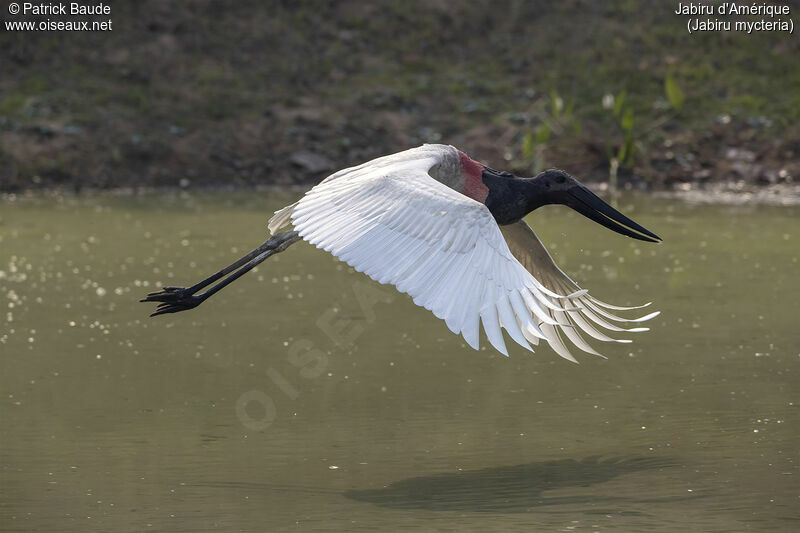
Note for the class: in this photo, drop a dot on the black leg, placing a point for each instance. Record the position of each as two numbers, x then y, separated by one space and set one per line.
175 299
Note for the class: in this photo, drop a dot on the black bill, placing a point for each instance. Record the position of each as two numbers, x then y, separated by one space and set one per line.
592 206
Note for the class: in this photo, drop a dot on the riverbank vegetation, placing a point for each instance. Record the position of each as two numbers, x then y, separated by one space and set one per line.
252 93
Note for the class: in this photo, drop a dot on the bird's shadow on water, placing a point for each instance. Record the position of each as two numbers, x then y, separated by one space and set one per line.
511 489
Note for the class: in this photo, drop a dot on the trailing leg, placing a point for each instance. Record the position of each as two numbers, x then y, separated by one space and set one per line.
175 299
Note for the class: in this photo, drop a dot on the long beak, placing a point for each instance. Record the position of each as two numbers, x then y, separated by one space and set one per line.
592 206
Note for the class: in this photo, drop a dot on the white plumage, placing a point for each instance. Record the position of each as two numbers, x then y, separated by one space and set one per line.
390 219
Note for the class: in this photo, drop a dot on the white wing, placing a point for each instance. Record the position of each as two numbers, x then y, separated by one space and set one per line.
585 313
391 220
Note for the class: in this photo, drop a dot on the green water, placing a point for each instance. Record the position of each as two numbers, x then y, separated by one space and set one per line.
219 419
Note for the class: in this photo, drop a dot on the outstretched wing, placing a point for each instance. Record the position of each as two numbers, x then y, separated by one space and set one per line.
585 312
391 220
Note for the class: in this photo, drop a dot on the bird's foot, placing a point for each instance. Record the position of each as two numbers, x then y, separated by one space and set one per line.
173 300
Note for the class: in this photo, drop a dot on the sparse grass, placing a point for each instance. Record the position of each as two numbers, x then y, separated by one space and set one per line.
11 104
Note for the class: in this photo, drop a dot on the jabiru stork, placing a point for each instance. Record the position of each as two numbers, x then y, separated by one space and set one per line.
448 231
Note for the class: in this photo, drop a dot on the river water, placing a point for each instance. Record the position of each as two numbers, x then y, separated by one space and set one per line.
219 419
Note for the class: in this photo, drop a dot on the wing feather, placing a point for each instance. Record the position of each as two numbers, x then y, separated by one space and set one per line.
576 338
491 320
600 311
470 315
509 319
524 315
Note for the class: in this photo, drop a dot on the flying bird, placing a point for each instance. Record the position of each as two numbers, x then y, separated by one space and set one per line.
448 231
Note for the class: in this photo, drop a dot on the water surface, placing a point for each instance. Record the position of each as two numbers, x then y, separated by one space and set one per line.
301 398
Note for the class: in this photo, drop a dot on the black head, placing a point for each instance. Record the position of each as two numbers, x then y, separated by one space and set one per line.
558 187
